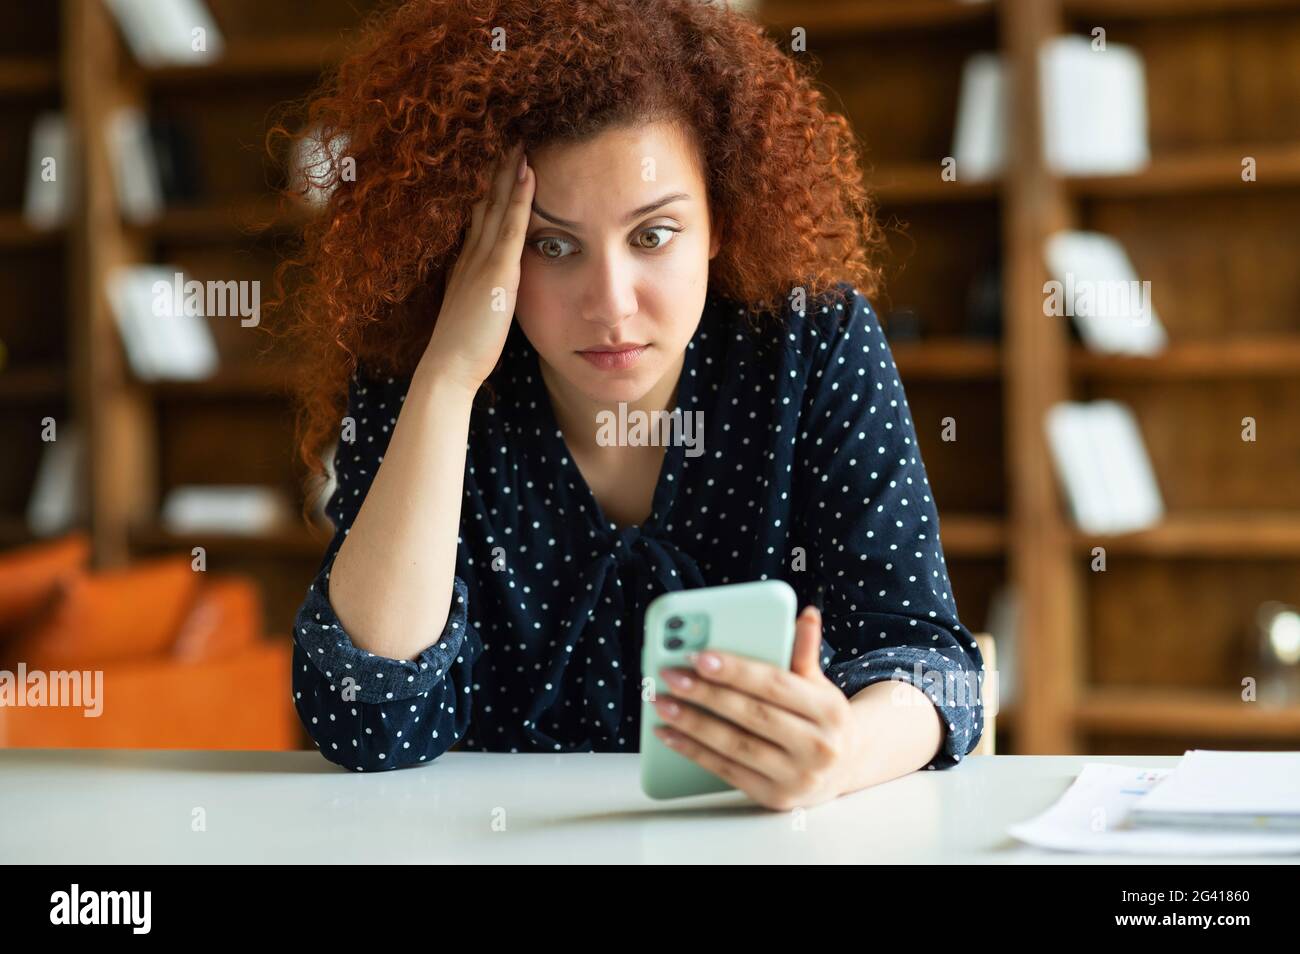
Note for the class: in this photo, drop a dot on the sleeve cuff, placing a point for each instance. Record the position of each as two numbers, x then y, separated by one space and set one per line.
955 690
378 678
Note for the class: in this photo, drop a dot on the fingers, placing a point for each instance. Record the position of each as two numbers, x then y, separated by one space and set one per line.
502 173
754 784
807 642
514 226
796 735
790 690
505 185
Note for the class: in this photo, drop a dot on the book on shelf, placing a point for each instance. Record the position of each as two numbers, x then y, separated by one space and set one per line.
49 174
1094 107
980 132
247 509
1102 463
1002 624
1094 282
56 501
161 341
153 161
168 32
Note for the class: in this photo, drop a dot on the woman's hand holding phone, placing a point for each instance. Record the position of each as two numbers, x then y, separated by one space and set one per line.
479 299
787 735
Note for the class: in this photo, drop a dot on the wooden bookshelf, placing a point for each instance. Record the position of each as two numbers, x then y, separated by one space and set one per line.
1149 652
1220 253
63 355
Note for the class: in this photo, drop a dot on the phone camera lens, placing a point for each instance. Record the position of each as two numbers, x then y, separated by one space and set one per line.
674 642
676 622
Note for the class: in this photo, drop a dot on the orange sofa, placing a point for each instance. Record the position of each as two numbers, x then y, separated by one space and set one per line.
180 656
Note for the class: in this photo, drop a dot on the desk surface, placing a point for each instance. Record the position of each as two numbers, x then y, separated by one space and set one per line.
98 806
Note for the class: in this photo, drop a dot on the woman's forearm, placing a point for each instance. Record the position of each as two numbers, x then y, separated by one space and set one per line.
392 579
899 731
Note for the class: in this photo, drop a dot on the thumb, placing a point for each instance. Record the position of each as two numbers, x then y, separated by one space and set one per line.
806 658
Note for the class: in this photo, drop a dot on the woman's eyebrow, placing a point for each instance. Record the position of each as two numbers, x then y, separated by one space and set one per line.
634 214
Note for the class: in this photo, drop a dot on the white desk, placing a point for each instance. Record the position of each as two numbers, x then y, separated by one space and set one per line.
99 806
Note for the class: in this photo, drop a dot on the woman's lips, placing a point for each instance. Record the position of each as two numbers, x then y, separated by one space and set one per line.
615 360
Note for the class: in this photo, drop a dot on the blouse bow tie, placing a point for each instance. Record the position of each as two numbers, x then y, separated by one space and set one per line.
640 565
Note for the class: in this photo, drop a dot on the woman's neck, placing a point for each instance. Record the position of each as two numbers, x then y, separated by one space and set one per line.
576 413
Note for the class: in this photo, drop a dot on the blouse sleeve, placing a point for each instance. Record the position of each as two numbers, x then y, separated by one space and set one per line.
872 530
369 712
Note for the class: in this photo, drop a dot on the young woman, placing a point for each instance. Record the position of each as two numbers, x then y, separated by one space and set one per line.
558 217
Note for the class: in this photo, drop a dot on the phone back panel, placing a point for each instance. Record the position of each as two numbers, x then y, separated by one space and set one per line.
754 619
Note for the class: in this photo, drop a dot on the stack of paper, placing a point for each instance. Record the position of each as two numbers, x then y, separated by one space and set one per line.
1227 790
1096 814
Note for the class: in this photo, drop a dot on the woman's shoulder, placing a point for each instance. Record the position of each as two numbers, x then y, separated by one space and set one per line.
812 328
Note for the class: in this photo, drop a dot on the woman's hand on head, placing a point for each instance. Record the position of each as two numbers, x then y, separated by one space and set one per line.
479 299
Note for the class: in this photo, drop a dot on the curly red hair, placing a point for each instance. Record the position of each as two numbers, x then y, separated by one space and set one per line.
435 91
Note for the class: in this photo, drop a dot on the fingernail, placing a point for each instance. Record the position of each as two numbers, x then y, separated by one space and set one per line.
523 166
677 679
668 708
708 662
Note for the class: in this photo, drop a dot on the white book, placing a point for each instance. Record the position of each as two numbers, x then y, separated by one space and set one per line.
162 32
135 165
49 175
159 342
55 502
1126 472
233 508
1098 287
980 134
1253 791
1094 107
1003 624
1102 464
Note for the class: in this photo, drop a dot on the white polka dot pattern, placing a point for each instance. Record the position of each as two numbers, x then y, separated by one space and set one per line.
808 443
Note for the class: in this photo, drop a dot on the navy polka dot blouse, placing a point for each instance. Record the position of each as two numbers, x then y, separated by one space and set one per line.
810 473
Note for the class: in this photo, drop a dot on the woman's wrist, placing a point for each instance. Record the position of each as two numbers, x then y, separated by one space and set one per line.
899 730
436 379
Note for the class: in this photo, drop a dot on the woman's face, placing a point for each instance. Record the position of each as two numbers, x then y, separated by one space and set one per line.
616 254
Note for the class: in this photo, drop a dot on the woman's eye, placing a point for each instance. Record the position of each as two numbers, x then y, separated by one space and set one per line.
660 242
551 247
546 246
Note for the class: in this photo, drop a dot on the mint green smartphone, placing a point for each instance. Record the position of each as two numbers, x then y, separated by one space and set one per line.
747 619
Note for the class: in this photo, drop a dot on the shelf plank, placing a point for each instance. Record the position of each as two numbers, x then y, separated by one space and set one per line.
947 359
221 220
1207 535
27 75
291 541
261 379
972 535
16 233
32 383
916 182
1152 9
1185 714
856 15
1274 355
254 57
1197 170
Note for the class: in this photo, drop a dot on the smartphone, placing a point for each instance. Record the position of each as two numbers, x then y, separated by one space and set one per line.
746 619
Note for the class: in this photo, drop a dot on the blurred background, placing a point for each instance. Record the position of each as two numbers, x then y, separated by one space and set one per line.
1091 294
